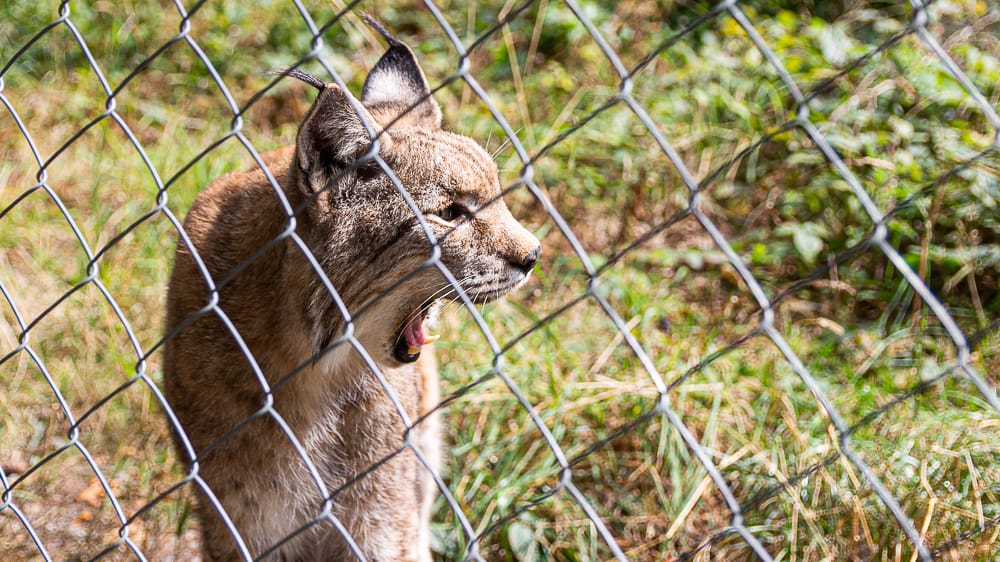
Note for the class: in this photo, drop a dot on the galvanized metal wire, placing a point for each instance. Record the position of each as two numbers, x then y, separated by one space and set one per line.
801 119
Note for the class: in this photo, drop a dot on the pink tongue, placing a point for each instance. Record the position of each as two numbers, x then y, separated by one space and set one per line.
414 333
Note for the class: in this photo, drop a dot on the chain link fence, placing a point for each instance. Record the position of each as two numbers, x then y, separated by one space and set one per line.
765 323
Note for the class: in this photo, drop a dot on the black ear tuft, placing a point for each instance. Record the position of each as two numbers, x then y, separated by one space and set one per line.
300 75
377 25
396 88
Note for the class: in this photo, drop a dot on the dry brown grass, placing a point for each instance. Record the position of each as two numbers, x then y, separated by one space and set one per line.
938 451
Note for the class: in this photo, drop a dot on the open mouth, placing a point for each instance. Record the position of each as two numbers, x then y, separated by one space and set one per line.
412 336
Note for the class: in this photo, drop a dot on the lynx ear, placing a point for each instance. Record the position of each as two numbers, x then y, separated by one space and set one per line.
396 88
332 137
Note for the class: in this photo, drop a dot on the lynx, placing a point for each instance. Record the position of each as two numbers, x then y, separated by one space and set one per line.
308 400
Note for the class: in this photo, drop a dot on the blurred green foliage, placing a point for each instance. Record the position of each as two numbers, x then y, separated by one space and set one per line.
910 136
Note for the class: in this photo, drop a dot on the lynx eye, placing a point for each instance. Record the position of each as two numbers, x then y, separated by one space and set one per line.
454 212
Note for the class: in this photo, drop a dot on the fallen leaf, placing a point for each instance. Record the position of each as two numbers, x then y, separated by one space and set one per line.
15 463
93 494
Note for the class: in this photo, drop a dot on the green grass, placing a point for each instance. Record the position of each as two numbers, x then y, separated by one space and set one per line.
899 121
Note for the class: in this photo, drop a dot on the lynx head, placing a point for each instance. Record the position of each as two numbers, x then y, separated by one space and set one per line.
366 235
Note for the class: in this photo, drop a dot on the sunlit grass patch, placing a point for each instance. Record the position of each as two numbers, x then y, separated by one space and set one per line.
870 344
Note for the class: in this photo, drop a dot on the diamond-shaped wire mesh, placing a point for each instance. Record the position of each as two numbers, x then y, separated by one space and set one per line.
766 321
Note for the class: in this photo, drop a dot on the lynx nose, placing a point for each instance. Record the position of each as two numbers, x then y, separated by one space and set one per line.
527 263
